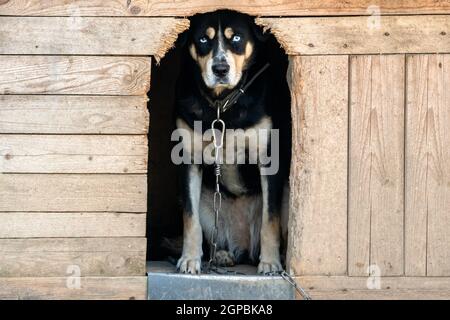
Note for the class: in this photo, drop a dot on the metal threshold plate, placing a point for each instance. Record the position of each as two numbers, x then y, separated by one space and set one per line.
164 283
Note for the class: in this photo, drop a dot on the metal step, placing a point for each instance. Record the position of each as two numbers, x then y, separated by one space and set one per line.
164 283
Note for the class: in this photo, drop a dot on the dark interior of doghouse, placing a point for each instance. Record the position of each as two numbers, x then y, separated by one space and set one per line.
164 218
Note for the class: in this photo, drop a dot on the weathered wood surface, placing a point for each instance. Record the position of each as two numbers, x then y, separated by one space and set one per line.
318 218
428 166
64 288
367 288
416 166
59 257
74 192
71 224
359 35
184 8
73 154
73 114
438 175
89 35
74 75
376 174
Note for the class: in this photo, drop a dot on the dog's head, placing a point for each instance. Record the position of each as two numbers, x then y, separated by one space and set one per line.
223 44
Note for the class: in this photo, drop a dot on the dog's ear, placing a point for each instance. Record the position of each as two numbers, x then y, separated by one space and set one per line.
258 32
182 39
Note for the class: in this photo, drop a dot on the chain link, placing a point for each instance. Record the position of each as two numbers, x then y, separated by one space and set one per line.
218 138
286 276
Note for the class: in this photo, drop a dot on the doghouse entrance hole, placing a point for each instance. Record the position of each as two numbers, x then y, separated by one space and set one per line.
164 212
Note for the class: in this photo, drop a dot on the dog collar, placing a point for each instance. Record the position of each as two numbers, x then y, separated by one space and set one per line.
231 99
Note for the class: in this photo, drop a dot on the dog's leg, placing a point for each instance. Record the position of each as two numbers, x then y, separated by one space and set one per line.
190 261
270 226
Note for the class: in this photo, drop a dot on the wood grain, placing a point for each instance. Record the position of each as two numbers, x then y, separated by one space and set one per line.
438 180
62 192
59 257
360 162
358 35
74 75
71 224
184 8
376 164
416 166
387 170
88 35
91 288
318 215
73 154
348 288
74 114
428 175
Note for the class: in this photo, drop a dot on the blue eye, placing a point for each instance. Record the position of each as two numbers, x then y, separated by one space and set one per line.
236 38
203 40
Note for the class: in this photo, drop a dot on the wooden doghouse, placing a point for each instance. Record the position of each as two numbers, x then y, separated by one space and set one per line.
370 177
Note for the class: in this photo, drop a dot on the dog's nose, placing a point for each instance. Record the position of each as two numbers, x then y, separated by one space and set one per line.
220 69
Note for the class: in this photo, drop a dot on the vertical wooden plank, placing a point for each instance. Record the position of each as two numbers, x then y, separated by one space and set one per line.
438 182
359 165
416 165
318 221
387 164
376 164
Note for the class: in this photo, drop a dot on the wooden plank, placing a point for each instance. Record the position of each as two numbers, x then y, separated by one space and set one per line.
389 287
73 154
71 224
376 165
89 35
359 198
64 288
74 114
62 192
59 257
74 75
318 221
387 170
184 8
416 166
438 178
356 35
428 172
348 288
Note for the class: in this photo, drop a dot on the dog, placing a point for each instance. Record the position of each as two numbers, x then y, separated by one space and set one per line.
224 51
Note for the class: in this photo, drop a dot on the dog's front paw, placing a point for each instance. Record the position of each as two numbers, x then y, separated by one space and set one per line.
269 266
191 265
224 258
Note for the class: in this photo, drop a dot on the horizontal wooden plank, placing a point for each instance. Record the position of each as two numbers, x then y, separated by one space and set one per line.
358 35
67 256
64 288
73 192
71 224
183 8
74 75
74 114
73 154
81 35
341 287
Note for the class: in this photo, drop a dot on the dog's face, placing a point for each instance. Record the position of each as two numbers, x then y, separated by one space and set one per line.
222 45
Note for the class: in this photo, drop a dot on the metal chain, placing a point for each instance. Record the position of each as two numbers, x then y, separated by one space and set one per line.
218 138
286 276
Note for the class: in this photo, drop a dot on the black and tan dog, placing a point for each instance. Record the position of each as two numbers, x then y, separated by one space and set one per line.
224 50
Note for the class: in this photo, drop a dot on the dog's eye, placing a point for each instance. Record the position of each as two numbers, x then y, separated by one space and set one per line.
236 38
203 40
